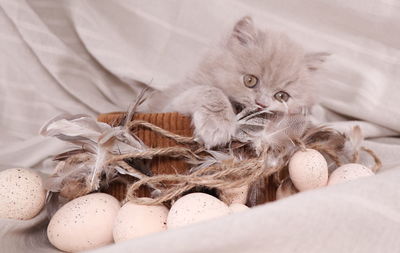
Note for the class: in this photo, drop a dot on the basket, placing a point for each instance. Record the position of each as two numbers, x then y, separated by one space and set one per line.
173 122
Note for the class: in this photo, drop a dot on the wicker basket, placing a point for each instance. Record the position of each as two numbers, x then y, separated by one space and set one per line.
178 124
172 122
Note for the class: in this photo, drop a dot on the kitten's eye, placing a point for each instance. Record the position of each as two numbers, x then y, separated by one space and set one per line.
282 96
250 81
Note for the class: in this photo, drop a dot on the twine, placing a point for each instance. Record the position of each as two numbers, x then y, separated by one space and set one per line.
378 163
226 174
356 157
165 133
149 153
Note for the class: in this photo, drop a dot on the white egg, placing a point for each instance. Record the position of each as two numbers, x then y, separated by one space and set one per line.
349 172
84 223
195 207
308 170
22 195
236 195
237 208
138 220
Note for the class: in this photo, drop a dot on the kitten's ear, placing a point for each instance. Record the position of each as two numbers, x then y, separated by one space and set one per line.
244 31
315 60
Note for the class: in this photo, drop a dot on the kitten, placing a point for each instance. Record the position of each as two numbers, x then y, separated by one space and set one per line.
255 69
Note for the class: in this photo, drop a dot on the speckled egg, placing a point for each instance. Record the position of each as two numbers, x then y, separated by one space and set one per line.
349 172
308 170
237 208
22 195
84 223
195 207
138 220
236 195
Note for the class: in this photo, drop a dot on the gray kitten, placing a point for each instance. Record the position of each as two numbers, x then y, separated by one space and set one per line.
253 69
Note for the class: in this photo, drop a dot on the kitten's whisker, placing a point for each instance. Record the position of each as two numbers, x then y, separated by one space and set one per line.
241 115
286 106
290 139
305 113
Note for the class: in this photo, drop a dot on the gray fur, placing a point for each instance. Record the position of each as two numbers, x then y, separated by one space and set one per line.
206 94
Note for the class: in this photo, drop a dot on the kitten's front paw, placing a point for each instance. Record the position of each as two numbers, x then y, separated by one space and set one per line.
214 130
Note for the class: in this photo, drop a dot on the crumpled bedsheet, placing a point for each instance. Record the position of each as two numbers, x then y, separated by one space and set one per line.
91 57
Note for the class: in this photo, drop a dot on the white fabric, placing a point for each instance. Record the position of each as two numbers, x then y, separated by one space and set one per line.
81 56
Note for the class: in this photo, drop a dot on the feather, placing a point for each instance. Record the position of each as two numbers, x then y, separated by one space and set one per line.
67 154
214 158
352 145
245 116
80 130
118 140
141 165
133 173
355 137
81 170
143 95
81 126
257 193
250 123
52 203
137 174
287 187
99 166
71 176
324 136
281 133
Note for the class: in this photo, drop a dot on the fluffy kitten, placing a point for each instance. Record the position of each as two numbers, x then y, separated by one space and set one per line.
253 68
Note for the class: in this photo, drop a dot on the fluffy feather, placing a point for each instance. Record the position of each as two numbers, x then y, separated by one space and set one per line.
80 129
352 145
213 158
280 132
325 136
81 170
71 177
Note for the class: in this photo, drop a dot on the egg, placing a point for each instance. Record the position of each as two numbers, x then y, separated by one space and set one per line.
308 170
286 189
236 195
138 220
195 207
22 195
237 208
349 172
84 223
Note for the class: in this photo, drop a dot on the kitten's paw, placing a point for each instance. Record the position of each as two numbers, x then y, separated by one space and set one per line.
214 130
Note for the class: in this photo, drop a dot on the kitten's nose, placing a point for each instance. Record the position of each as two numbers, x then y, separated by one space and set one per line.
261 104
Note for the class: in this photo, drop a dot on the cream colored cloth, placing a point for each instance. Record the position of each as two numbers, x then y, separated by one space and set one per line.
82 56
